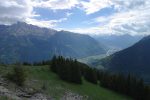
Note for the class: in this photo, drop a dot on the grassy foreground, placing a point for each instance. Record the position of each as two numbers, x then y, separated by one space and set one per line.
40 77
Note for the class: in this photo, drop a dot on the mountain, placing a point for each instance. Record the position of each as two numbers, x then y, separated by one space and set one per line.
135 59
24 42
117 42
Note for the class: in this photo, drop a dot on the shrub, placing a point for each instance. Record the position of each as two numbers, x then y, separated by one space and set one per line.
18 75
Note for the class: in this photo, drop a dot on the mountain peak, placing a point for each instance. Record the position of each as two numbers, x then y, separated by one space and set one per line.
31 43
22 28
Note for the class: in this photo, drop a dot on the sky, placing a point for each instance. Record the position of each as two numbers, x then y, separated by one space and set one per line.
82 16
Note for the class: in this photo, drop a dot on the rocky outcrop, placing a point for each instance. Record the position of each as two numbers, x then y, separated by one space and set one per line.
21 93
73 96
5 92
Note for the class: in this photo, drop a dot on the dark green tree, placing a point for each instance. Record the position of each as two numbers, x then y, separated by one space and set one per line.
67 69
90 75
18 76
75 73
53 65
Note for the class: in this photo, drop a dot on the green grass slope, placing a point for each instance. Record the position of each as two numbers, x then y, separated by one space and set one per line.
39 76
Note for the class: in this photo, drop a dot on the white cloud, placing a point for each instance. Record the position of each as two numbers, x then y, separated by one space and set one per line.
125 5
132 17
92 30
15 10
95 5
43 23
56 4
68 14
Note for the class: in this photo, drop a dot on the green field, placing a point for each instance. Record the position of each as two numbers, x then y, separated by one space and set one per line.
39 76
93 61
4 98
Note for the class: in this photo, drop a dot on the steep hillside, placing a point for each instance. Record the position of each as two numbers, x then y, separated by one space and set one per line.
41 81
135 59
24 42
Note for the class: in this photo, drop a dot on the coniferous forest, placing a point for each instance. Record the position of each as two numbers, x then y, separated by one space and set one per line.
67 69
73 71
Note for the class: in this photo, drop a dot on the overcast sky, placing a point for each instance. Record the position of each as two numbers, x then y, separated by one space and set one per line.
83 16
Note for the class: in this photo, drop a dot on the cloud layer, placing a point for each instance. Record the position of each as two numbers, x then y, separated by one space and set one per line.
130 16
56 4
15 10
22 10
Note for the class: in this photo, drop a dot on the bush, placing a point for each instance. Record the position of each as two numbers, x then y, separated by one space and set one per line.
18 76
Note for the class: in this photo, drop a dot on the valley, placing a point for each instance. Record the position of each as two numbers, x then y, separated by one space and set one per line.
74 50
33 47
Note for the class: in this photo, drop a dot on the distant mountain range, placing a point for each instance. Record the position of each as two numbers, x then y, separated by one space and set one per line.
135 59
24 42
117 42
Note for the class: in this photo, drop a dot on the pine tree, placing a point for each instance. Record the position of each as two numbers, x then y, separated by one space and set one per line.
75 73
53 65
90 75
67 69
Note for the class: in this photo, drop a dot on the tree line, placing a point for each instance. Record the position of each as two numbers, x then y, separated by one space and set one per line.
70 70
67 69
44 62
128 85
73 71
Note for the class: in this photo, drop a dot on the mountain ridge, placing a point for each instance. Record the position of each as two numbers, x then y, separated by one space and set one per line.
135 59
29 43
